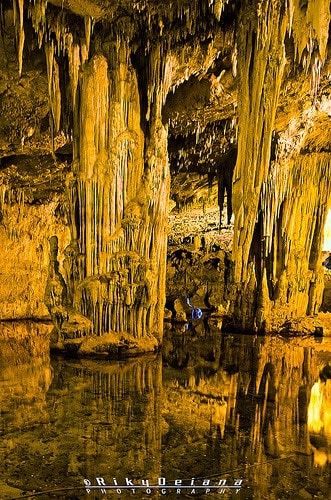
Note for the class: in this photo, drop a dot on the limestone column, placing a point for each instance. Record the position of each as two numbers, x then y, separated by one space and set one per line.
280 206
118 195
261 61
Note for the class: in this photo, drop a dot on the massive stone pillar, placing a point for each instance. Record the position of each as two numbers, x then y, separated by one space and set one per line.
295 214
280 206
118 194
261 63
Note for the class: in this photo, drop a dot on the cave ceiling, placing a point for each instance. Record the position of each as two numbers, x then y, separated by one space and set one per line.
201 108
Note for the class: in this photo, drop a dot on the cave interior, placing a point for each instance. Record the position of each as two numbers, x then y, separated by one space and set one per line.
119 117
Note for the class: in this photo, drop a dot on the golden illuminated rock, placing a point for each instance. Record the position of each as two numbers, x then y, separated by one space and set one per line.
138 92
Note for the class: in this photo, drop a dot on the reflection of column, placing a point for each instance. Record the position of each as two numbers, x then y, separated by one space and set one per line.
266 421
115 425
25 370
315 423
256 384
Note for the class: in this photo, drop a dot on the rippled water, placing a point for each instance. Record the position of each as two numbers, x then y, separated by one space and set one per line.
214 407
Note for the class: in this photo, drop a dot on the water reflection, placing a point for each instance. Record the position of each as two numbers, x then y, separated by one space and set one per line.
215 407
319 421
252 401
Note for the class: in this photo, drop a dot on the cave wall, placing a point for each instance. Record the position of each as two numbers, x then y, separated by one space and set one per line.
30 215
24 263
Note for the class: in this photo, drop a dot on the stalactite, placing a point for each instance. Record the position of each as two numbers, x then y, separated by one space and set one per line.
54 90
37 11
309 23
74 58
88 31
218 8
21 35
18 11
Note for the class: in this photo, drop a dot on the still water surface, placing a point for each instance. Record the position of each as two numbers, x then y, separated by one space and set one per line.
218 408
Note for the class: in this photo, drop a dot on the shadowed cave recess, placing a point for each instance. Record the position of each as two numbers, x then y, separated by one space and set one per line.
162 158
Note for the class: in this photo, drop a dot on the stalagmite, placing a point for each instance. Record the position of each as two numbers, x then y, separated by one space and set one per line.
88 31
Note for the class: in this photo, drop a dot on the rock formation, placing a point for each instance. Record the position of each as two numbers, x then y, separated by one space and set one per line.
121 98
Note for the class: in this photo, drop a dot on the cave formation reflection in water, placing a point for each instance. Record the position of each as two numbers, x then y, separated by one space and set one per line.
216 405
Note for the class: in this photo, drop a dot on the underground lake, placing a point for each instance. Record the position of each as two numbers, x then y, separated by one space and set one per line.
217 415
